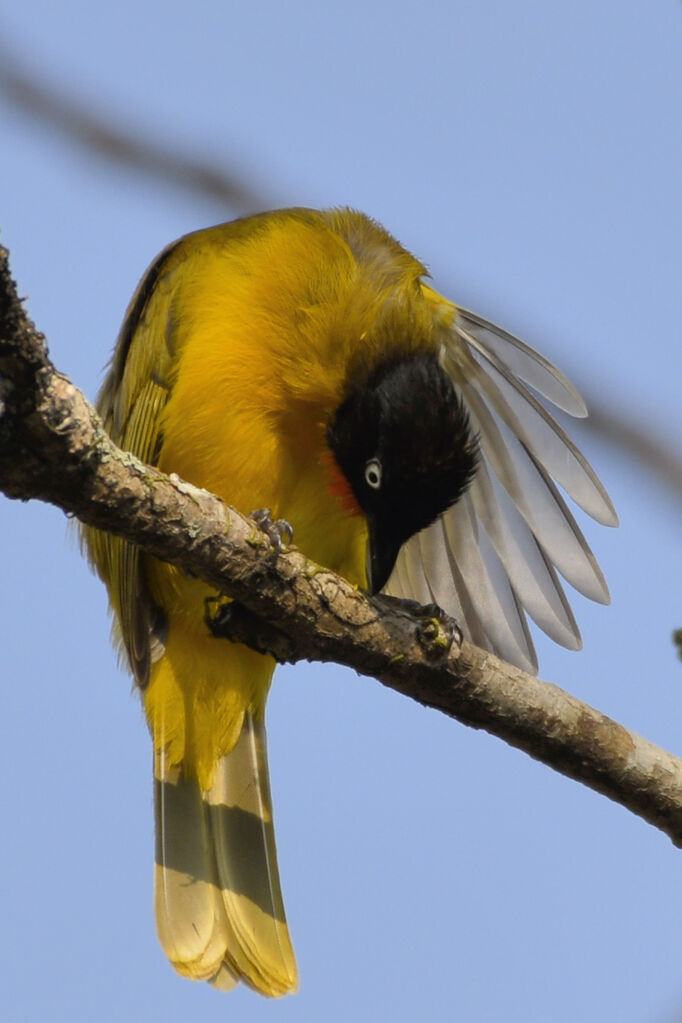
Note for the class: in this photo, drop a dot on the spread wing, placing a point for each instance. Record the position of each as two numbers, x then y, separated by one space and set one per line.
131 401
495 555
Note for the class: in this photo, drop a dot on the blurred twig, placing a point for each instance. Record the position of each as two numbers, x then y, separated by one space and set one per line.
677 640
637 441
95 134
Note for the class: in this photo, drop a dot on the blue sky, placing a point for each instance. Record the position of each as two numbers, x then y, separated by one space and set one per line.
530 155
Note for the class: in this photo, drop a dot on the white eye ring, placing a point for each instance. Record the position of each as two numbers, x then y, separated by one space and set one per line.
373 473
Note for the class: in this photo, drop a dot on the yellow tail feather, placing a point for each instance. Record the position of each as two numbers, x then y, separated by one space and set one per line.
219 908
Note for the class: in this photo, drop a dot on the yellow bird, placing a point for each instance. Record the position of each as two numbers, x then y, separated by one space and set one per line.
297 360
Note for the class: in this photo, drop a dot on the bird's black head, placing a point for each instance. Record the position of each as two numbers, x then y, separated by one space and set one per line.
403 441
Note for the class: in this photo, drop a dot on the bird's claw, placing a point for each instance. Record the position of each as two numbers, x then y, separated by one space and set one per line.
279 532
218 611
436 630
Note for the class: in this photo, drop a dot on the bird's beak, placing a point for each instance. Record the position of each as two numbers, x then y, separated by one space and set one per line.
383 551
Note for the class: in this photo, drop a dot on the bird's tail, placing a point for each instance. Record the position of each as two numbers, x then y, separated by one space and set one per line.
219 909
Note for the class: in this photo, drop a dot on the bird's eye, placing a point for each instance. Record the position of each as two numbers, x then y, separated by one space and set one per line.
373 473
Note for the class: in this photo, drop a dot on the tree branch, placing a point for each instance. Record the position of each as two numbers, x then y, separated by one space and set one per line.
53 447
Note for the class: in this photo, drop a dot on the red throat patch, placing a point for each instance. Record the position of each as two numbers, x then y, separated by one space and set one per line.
338 486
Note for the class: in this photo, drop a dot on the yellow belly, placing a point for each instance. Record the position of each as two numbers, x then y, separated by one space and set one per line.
201 688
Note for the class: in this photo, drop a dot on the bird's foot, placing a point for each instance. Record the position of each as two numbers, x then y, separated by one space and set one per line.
229 619
218 613
436 630
279 532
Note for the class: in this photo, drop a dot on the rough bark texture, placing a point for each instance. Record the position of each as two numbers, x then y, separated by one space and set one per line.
53 447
